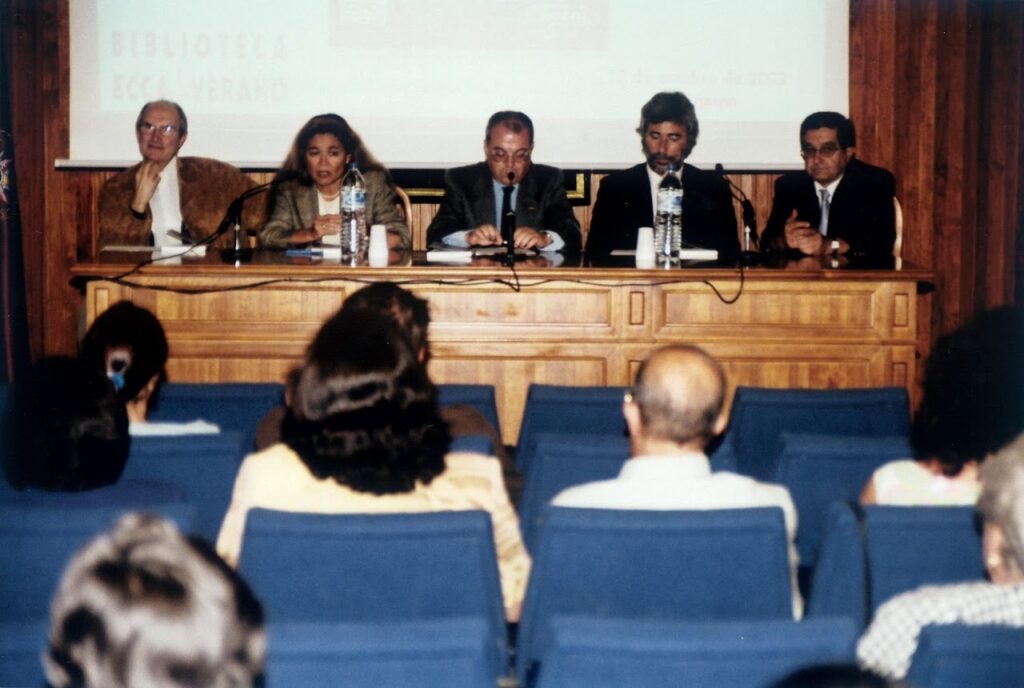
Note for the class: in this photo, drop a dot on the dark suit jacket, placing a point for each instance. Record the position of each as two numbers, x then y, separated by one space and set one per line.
541 204
624 205
861 211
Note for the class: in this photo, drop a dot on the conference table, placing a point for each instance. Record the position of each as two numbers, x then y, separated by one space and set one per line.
574 320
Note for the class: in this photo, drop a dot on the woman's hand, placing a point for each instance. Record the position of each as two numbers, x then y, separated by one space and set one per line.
327 224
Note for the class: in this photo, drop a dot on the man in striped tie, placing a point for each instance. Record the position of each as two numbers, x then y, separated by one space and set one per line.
838 204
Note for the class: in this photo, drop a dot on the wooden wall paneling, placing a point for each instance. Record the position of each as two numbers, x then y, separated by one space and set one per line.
27 73
1000 188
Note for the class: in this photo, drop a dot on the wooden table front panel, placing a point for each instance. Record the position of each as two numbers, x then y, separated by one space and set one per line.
827 331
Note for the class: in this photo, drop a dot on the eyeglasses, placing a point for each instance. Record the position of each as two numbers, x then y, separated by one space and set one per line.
162 130
520 155
826 151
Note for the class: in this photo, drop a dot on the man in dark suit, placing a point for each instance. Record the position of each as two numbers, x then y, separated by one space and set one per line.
668 133
838 204
470 210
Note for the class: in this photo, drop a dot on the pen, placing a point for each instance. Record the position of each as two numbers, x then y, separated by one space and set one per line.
304 252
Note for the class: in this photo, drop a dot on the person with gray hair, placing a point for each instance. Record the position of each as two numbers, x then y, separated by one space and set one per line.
675 408
626 198
889 643
143 605
166 200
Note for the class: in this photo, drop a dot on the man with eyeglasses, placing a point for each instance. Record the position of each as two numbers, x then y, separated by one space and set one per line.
477 196
838 204
167 200
626 199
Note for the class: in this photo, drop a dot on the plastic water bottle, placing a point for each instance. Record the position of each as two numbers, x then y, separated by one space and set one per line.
354 237
668 217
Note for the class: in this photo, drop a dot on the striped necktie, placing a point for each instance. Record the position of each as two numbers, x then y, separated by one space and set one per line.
823 223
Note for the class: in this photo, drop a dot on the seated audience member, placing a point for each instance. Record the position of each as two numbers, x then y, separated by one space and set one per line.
412 315
68 432
165 193
142 605
833 676
363 435
674 410
838 204
477 196
306 203
972 406
626 199
889 643
127 342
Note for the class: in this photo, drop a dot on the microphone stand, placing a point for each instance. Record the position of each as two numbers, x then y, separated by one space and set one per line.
508 229
233 219
750 237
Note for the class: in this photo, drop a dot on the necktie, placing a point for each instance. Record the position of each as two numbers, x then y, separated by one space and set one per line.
507 223
823 224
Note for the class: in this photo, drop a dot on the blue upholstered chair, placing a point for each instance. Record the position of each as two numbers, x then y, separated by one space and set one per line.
592 653
760 416
821 469
21 645
668 565
956 655
234 406
376 568
480 397
902 548
568 410
202 466
560 461
442 653
476 444
40 531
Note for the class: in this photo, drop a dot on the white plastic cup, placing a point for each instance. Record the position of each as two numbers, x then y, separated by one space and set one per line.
377 255
645 247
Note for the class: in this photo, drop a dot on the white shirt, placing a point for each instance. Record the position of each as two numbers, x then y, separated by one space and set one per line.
889 643
325 206
685 481
166 206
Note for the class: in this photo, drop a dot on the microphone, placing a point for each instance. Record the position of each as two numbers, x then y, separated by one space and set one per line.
233 218
747 210
508 225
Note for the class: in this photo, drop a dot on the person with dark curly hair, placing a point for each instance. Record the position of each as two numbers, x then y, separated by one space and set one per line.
363 434
128 344
65 429
973 405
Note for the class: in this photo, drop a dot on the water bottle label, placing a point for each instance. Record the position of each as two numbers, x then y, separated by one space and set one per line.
353 199
670 200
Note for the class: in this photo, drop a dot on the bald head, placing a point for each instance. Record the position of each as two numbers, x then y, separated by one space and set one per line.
679 393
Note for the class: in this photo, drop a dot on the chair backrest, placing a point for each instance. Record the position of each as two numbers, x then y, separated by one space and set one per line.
560 461
907 547
22 643
588 652
759 417
231 405
443 653
375 568
681 565
821 469
405 207
480 397
202 466
569 410
957 655
40 531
